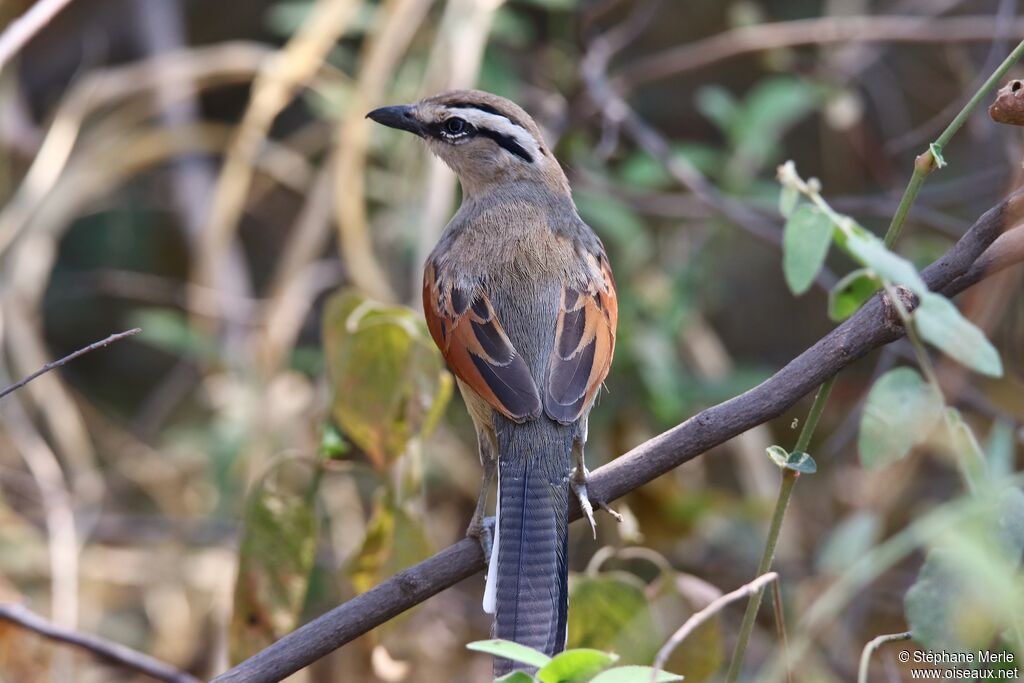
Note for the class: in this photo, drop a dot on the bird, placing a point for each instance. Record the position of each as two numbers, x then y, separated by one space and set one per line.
519 297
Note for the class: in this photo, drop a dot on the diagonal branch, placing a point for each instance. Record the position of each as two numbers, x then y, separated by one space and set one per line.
865 331
100 647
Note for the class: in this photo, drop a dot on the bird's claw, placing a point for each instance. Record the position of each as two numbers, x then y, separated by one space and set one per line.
578 480
483 531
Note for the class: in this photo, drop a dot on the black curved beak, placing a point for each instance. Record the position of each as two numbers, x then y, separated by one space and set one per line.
401 117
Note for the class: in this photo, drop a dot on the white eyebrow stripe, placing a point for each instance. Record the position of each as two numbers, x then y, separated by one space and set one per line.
499 124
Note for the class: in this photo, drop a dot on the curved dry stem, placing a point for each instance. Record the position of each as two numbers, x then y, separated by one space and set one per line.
869 649
280 77
222 64
388 42
698 618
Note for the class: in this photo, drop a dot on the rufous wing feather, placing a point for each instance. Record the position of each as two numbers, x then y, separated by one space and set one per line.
474 344
584 344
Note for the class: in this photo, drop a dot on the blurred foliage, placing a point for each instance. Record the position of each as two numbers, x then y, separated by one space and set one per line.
290 441
275 558
388 377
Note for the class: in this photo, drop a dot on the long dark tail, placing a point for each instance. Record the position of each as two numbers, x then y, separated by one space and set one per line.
530 596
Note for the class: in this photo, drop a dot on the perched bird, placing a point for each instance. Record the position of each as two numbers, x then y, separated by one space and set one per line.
519 296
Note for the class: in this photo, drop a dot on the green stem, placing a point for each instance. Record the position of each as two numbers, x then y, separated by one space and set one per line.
923 167
926 162
789 478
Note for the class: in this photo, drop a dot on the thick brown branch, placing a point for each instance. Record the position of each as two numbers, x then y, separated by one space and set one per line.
104 649
864 331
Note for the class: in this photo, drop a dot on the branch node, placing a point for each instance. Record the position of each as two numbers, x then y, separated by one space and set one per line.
891 314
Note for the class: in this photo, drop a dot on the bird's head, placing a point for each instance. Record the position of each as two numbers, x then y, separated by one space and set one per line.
487 140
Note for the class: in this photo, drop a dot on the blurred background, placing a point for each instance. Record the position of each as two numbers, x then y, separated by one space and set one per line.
280 437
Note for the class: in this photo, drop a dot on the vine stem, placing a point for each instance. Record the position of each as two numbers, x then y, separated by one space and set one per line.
927 161
789 478
924 165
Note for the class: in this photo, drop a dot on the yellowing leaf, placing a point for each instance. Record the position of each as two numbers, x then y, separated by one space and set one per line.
276 557
387 376
611 612
394 540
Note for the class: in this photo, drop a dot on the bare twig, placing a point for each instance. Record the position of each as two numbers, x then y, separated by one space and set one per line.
21 30
869 649
780 622
70 357
617 112
818 31
280 78
698 618
863 332
104 649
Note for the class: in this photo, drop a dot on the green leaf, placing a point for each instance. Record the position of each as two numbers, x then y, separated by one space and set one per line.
969 588
788 199
576 666
805 242
850 541
940 161
872 252
718 105
850 293
332 443
516 677
634 674
510 650
387 376
1000 450
798 461
940 324
933 602
900 411
170 331
276 557
772 106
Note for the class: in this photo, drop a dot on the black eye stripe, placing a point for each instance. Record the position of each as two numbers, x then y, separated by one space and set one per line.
506 142
440 131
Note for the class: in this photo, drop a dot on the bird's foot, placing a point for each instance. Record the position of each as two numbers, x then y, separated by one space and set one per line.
482 530
588 500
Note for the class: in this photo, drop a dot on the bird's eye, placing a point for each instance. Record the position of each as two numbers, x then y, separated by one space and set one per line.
455 126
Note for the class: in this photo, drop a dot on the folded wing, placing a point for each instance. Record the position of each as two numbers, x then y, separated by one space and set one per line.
584 343
477 349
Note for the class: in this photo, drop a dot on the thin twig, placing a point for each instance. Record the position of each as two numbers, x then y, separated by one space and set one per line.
21 30
780 623
100 647
818 31
869 649
698 618
70 357
863 332
617 112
